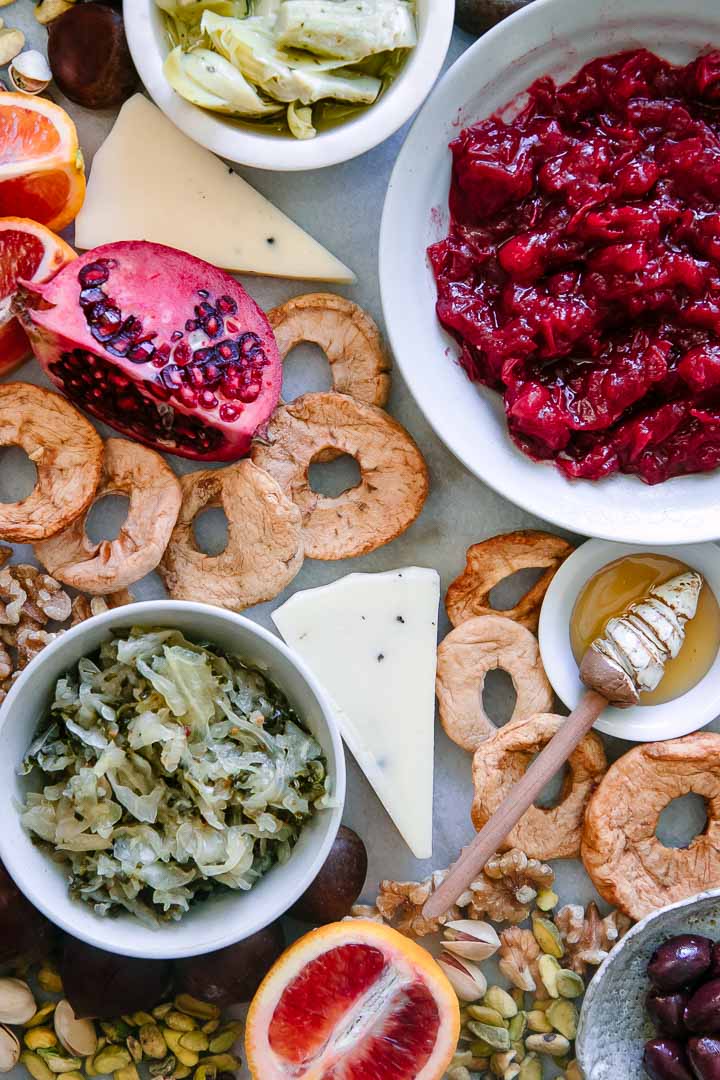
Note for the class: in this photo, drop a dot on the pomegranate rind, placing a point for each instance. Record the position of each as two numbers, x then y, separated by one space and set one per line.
50 154
67 453
394 480
154 503
161 290
413 966
264 551
14 343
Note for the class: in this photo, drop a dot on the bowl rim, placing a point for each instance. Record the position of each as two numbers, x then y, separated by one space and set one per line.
689 515
635 931
283 154
80 926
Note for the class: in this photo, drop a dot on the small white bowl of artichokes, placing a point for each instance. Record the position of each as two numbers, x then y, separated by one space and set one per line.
289 84
171 779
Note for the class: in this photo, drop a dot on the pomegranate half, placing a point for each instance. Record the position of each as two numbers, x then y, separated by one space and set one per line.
160 345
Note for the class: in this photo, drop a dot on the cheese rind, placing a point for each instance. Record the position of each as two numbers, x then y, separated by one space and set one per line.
371 639
150 182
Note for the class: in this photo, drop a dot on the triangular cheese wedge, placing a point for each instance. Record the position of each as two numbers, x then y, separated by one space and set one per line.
371 639
150 182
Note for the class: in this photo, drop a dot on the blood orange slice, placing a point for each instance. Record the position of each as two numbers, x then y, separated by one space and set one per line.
42 175
353 1001
33 253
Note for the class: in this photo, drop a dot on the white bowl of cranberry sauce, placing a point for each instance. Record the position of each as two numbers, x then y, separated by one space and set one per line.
573 362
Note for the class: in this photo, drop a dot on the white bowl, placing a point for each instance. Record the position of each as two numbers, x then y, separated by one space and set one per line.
614 1024
553 37
223 919
146 38
641 723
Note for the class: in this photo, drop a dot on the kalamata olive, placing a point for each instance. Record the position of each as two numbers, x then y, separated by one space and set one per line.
24 932
703 1009
89 56
231 976
665 1059
339 883
102 985
680 961
704 1054
713 972
668 1010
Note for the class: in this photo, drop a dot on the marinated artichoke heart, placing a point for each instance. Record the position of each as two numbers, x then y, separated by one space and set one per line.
170 769
639 643
258 58
347 29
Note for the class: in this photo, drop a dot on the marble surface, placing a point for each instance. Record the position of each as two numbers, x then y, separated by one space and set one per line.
341 206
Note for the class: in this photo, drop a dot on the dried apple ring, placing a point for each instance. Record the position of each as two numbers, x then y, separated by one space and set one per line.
629 866
500 762
66 451
155 496
393 484
493 560
264 551
466 656
346 334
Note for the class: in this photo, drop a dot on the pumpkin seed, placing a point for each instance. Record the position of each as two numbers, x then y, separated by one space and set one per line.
563 1017
49 979
548 936
152 1041
180 1021
198 1041
40 1038
555 1045
202 1010
59 1063
185 1057
111 1059
43 1014
36 1066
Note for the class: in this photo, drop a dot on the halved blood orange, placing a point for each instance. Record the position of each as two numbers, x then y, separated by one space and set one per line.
353 1001
42 175
31 252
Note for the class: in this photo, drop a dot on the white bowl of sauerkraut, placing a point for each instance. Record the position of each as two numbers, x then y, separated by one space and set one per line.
287 85
171 779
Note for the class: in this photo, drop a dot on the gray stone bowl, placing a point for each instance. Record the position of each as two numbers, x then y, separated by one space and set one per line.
613 1023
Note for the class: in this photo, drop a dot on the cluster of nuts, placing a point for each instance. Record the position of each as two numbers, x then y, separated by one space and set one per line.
28 72
178 1039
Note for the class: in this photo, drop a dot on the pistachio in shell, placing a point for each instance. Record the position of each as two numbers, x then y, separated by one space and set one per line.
9 1049
17 1004
77 1036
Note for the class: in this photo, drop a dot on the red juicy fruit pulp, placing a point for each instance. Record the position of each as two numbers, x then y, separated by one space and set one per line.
335 985
581 272
160 345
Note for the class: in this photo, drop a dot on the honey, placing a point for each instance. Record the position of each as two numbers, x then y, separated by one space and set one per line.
610 593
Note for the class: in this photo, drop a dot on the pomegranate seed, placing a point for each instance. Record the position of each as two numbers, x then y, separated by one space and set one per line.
104 321
177 335
200 356
95 273
182 354
91 296
229 350
116 378
211 373
229 413
250 393
192 324
204 293
208 400
213 326
226 305
157 390
204 309
196 377
188 396
249 344
142 353
172 376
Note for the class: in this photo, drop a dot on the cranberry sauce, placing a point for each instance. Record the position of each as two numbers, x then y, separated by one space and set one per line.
581 272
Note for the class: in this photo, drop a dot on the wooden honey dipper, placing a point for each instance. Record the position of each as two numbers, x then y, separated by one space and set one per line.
628 660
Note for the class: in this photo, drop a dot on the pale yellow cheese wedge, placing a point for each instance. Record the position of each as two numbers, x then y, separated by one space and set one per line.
150 182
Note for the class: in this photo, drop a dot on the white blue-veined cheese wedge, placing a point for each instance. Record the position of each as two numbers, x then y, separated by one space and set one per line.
371 640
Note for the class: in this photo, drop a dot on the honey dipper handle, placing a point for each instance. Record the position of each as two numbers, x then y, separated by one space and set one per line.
523 795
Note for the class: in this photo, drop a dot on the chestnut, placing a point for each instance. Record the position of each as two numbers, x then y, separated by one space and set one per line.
24 932
339 883
89 56
668 1011
680 961
704 1054
231 976
103 985
665 1059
